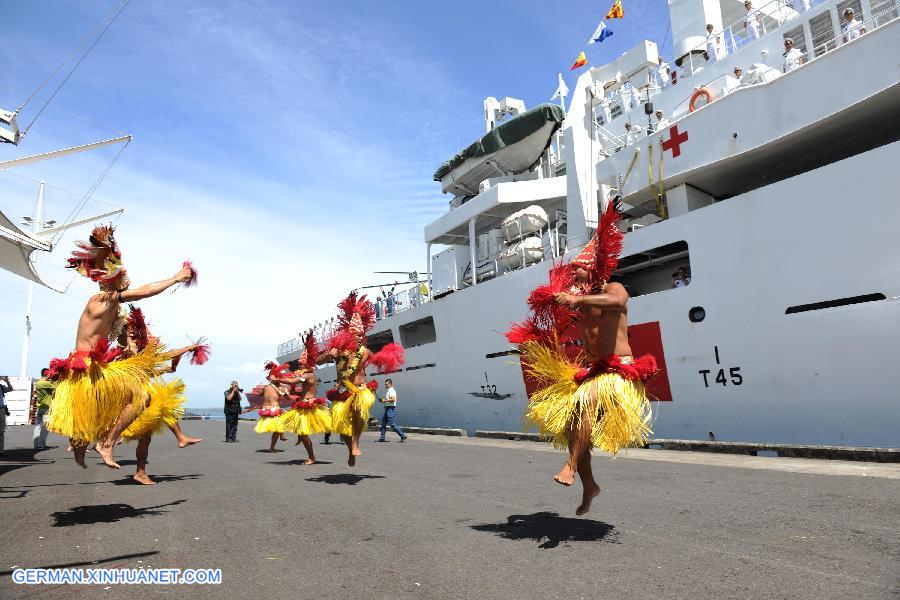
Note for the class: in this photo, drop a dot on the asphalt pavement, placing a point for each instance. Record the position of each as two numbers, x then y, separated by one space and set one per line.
440 517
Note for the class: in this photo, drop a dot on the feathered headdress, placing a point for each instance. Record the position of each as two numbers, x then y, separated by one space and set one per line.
276 371
137 327
99 258
356 315
600 257
310 353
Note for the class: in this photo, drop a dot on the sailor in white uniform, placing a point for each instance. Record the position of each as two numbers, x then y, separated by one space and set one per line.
661 121
851 27
715 51
661 75
631 134
793 58
751 21
606 110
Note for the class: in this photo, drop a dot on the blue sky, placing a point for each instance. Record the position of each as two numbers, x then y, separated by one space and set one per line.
286 147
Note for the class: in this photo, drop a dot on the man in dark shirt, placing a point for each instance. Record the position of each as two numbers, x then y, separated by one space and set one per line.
232 410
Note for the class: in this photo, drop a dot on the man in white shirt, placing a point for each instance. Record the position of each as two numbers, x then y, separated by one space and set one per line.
390 411
793 58
851 27
661 74
751 21
630 134
714 49
661 122
606 110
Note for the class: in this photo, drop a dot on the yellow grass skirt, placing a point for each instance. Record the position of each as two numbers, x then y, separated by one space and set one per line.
87 404
619 406
163 411
341 412
305 421
269 425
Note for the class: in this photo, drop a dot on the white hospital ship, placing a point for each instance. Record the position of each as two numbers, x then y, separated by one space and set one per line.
777 192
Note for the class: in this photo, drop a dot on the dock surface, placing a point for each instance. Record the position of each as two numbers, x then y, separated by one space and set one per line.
441 517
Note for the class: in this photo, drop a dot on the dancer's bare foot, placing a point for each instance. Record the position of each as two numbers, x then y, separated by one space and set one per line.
188 441
69 448
351 461
311 461
79 456
283 438
354 448
566 476
590 493
106 455
143 478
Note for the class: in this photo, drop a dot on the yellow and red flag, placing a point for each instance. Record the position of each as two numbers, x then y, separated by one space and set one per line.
616 12
580 61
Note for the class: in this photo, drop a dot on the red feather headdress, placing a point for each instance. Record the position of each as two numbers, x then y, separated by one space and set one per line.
137 327
356 316
99 259
276 371
600 257
310 353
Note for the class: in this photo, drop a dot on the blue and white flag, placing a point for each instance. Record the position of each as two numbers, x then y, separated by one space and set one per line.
600 34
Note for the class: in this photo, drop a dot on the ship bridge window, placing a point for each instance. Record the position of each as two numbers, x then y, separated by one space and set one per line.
662 268
377 341
418 333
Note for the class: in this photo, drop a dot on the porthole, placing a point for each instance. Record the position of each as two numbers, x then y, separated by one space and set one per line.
697 314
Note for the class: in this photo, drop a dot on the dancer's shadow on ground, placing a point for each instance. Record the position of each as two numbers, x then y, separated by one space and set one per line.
343 478
554 528
24 455
296 461
86 563
105 513
129 480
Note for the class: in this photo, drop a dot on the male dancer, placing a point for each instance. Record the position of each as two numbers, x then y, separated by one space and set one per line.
308 414
271 407
603 404
352 400
97 397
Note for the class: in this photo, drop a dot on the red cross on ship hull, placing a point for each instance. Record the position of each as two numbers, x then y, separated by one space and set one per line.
675 141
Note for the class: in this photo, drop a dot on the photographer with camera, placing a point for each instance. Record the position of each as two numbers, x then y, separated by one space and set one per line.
5 387
232 410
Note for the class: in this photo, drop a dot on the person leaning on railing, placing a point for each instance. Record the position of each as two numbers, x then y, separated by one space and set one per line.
852 28
793 58
751 21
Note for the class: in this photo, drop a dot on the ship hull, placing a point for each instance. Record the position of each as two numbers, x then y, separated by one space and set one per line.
772 361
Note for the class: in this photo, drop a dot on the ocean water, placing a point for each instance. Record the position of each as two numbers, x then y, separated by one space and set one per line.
217 413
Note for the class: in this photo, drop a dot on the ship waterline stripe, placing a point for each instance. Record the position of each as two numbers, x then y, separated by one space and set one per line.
834 303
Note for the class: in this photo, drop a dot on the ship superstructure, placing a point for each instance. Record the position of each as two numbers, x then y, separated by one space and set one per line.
760 213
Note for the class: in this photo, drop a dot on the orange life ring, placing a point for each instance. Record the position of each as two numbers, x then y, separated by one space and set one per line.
704 92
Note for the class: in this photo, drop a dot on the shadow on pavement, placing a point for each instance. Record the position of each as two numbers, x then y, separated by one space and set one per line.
128 480
105 513
343 478
296 461
85 563
554 528
23 455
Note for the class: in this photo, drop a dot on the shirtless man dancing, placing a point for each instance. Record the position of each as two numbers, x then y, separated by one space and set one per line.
97 397
352 400
604 403
278 376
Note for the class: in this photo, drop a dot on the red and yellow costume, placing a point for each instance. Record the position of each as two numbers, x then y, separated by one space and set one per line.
164 408
568 384
94 386
306 417
356 317
268 423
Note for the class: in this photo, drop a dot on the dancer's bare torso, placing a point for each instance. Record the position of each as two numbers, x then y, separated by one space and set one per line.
604 332
270 396
97 320
309 386
358 377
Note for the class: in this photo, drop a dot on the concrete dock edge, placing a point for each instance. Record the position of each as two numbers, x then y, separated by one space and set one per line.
882 455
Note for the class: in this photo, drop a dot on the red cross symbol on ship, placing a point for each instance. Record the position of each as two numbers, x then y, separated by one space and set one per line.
675 141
